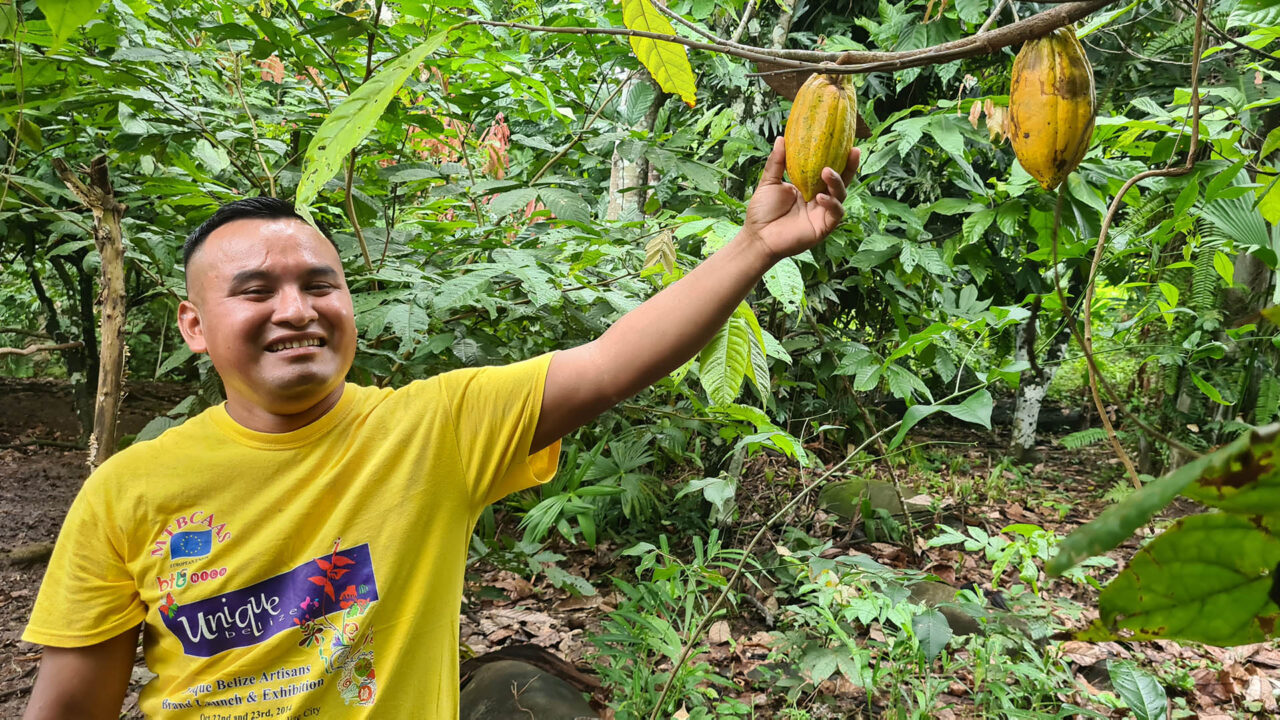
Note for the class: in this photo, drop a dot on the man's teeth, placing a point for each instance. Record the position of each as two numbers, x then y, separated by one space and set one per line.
314 342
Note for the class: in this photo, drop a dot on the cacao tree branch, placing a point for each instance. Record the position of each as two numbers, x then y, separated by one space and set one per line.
747 13
32 349
858 62
349 205
253 125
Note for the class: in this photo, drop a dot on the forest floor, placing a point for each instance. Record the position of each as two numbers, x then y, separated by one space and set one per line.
41 470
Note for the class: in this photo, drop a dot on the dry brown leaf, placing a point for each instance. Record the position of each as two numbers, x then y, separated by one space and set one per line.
719 633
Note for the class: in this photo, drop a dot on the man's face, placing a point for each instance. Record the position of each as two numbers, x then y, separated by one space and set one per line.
269 303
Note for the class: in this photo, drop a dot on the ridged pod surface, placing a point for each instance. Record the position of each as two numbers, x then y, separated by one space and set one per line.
1051 107
820 130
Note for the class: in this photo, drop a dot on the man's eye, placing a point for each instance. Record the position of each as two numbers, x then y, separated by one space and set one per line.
257 291
320 287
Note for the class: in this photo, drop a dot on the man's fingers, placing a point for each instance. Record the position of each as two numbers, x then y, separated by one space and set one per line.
851 167
776 163
835 185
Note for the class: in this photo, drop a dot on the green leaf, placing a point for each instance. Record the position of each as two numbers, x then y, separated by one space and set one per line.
1208 389
66 16
503 204
1239 465
566 204
724 362
667 62
1226 269
1207 579
975 409
351 121
976 224
1139 689
933 632
784 283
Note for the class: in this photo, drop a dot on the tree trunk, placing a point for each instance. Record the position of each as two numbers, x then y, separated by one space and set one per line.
100 198
1034 384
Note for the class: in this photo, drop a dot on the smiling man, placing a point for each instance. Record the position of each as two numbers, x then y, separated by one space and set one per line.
298 551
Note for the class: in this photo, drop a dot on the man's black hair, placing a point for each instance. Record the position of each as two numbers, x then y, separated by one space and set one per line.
261 208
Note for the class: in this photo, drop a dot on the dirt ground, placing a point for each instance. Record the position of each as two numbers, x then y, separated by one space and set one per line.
41 469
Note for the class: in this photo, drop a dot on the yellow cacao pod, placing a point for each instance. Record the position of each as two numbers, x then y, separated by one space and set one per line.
820 130
1051 108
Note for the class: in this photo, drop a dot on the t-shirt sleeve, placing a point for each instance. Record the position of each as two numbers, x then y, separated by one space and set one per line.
495 412
88 594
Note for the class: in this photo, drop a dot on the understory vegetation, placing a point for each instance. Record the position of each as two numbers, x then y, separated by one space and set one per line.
824 514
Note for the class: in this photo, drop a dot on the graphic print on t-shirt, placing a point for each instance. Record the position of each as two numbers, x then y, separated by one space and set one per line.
325 599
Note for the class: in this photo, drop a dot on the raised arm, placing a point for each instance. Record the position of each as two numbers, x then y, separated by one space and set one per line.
85 683
672 326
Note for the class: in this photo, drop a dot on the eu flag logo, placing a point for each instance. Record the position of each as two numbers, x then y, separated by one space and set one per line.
191 544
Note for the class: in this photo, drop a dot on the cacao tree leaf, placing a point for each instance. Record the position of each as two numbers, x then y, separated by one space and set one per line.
66 16
660 251
667 62
724 362
1210 578
1245 466
566 204
503 204
1249 483
783 282
975 409
1139 689
351 121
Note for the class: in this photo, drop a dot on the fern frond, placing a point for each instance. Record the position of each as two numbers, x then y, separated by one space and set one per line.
1085 438
1268 405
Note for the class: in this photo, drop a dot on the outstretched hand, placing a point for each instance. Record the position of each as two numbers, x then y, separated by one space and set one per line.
780 218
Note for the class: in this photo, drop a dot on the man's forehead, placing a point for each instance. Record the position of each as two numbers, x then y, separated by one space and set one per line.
255 243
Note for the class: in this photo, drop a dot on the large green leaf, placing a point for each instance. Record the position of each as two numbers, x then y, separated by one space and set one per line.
667 62
975 409
1139 689
351 121
66 16
1207 579
1249 482
724 363
1235 469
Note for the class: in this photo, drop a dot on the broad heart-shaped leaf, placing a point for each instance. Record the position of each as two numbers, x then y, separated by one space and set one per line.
1207 579
726 360
351 121
1228 479
1249 482
667 62
66 16
1139 689
932 631
975 409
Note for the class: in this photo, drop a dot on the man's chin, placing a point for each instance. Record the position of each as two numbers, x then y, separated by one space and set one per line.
298 394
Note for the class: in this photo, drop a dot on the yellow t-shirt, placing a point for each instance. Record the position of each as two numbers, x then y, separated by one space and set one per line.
310 574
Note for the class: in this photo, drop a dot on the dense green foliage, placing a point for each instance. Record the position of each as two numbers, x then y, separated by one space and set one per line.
511 192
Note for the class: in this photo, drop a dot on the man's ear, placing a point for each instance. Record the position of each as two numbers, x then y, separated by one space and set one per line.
190 327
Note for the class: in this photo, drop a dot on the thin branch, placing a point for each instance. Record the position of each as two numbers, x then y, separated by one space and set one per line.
1223 34
253 125
585 126
350 206
991 19
32 349
1086 338
746 18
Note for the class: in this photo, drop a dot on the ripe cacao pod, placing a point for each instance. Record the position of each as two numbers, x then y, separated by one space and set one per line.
1051 106
820 130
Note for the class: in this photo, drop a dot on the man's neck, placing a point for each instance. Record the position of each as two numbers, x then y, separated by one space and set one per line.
259 419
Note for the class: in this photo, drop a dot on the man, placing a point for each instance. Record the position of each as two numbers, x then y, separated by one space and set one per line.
299 550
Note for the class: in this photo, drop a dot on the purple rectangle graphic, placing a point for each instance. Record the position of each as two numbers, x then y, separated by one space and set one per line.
240 618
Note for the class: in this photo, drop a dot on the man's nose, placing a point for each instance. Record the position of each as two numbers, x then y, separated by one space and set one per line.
294 308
